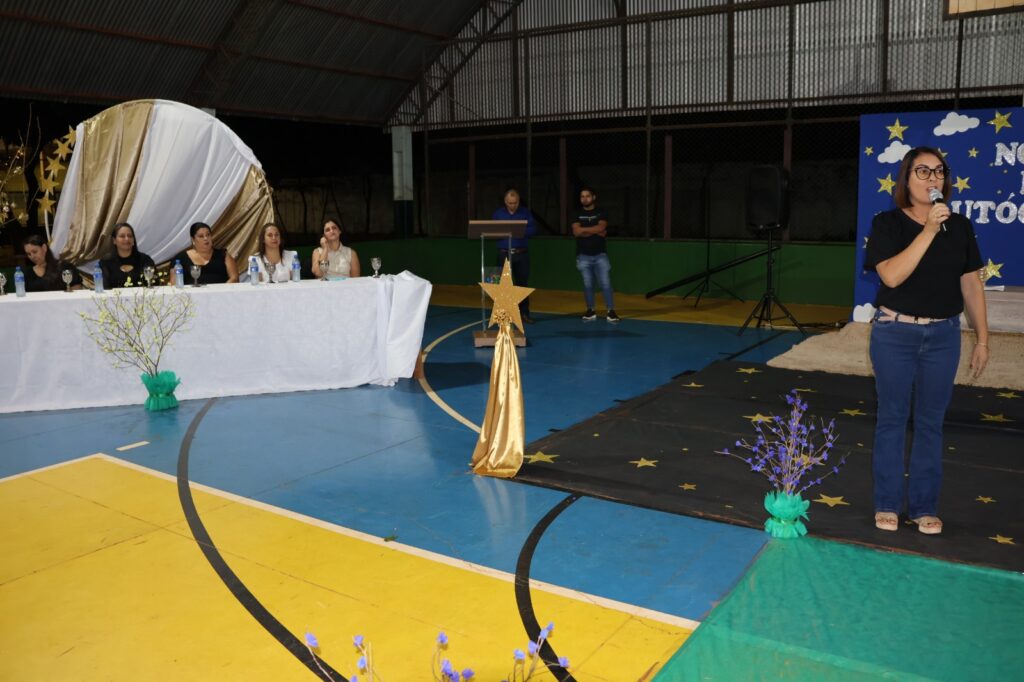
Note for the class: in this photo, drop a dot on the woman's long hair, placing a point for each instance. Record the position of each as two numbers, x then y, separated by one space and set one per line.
113 241
51 261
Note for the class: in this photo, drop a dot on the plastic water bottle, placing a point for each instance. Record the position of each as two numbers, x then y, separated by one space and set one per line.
254 271
296 268
97 278
179 274
19 281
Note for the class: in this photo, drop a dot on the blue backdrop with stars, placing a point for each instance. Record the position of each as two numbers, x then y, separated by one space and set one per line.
984 149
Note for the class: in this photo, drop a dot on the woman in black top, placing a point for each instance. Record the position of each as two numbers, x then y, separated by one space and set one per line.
126 262
218 266
45 273
928 261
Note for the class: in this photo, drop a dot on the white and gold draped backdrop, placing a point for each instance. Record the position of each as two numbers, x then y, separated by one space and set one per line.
160 166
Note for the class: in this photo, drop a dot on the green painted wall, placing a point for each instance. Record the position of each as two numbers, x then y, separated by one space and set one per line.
807 273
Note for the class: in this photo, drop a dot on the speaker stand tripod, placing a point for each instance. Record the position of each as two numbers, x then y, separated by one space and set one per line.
763 310
704 284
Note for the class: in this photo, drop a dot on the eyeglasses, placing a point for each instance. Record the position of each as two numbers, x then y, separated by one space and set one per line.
924 172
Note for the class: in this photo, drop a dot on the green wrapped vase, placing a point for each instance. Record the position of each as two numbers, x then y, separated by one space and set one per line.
786 511
161 390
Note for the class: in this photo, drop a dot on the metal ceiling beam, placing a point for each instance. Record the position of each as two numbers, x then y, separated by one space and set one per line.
379 23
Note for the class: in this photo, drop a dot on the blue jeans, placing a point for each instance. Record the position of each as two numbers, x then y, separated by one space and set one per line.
916 363
601 266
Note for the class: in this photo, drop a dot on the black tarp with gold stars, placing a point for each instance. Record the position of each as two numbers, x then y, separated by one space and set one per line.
658 451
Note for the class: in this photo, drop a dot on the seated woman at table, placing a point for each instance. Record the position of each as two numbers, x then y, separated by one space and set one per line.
218 266
44 275
125 261
271 257
342 260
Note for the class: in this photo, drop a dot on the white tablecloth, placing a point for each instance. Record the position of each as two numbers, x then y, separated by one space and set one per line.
243 340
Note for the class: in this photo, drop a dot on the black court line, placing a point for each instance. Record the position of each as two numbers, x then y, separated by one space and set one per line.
316 665
522 583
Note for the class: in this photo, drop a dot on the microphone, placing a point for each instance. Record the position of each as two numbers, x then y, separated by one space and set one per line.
936 197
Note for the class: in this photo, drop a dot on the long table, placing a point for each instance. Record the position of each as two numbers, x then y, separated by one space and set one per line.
243 340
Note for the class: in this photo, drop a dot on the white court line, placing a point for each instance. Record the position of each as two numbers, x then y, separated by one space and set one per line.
430 392
611 604
132 446
52 466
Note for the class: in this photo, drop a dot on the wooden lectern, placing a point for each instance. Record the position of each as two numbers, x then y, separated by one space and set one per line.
484 230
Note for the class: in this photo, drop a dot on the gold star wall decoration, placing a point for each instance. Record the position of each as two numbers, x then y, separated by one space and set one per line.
868 151
1002 540
540 457
995 418
896 130
644 462
46 204
47 184
71 136
852 412
757 417
689 486
63 150
1009 394
748 370
984 499
972 152
54 166
831 501
506 298
886 184
961 184
1001 121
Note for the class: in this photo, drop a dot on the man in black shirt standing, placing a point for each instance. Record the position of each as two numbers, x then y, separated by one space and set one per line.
590 229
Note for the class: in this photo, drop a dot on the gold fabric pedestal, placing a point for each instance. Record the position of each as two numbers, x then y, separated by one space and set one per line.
500 448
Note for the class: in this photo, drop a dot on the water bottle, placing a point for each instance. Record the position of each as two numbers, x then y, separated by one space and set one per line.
296 268
254 271
97 278
19 282
179 274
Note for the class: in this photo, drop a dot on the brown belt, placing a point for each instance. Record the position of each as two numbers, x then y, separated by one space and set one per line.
909 319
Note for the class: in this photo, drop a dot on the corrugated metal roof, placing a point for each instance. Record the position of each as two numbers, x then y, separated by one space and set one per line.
316 59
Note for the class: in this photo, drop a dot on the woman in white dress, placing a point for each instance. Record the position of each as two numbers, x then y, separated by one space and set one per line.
274 263
342 260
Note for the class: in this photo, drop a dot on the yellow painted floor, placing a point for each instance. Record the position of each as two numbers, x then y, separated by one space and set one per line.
101 579
666 308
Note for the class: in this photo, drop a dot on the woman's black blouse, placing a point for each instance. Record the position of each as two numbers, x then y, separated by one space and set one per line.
214 272
51 281
115 278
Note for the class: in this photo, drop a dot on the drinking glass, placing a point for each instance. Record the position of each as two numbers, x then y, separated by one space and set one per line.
195 271
323 269
148 273
375 264
66 277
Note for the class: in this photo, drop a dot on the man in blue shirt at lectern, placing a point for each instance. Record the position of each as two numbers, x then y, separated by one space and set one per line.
518 252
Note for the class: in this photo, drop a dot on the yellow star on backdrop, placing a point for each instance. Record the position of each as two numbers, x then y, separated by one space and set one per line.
961 184
63 150
994 418
540 457
886 184
643 462
991 270
748 370
689 486
693 385
944 154
896 130
984 499
1002 540
852 412
972 152
54 165
1009 394
757 417
831 501
47 184
1001 121
70 137
46 204
506 298
868 151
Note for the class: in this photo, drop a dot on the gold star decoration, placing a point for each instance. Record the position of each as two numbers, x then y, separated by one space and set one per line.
984 499
540 457
961 184
1009 394
63 150
689 486
54 166
70 137
991 270
868 151
1002 540
896 130
46 204
831 501
944 154
852 412
506 298
693 385
47 184
886 184
972 152
757 417
643 462
1001 121
748 370
994 418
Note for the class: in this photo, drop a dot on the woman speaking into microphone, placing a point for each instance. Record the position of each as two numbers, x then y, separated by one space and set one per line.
928 261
